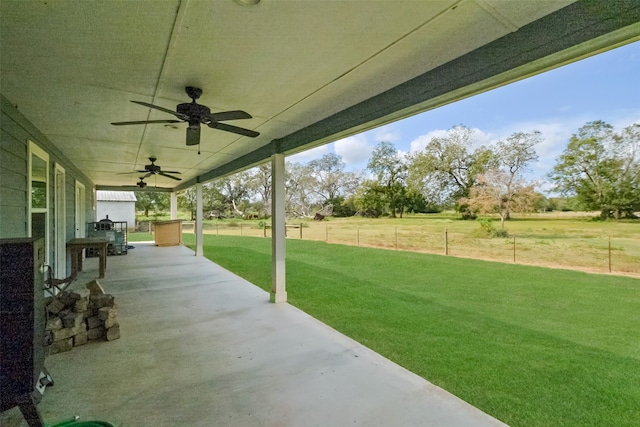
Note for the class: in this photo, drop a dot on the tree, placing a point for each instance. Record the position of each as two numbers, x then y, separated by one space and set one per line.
370 199
235 190
447 168
391 172
151 201
212 200
416 203
342 207
503 189
602 169
514 155
299 189
626 188
332 181
187 201
260 183
544 204
497 191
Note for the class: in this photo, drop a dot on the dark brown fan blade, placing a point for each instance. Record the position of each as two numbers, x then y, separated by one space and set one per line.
144 122
136 171
169 176
234 129
193 135
166 110
172 172
230 115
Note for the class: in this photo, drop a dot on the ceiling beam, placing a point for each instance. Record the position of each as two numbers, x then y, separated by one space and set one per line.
247 161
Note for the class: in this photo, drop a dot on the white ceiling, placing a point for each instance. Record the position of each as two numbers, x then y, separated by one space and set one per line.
72 67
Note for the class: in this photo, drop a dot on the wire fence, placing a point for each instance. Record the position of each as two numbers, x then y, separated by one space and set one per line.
589 253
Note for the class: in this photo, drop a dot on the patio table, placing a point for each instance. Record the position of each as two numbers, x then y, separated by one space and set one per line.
75 247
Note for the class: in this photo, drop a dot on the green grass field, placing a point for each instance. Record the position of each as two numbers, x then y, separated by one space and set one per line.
139 237
531 346
562 240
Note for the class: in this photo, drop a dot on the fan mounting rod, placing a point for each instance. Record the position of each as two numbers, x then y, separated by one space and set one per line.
193 92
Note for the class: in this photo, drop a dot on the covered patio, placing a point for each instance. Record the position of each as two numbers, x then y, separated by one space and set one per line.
200 346
272 364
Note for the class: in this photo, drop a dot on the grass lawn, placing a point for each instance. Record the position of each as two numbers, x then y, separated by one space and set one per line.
529 345
139 237
548 240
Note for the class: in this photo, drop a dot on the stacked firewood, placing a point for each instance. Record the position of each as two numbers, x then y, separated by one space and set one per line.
79 316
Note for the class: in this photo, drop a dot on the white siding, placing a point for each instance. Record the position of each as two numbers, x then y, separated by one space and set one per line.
118 211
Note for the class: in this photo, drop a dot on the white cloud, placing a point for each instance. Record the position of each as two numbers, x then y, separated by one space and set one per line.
353 149
403 154
420 142
312 154
386 133
557 134
555 137
481 137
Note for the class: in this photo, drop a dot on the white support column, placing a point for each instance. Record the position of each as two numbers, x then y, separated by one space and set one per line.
199 245
278 289
174 205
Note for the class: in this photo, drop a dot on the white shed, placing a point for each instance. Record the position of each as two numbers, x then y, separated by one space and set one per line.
118 206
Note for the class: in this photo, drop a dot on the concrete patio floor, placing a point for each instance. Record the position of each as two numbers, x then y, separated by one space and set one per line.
203 347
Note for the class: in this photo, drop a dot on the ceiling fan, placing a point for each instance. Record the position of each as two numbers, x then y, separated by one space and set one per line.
196 114
153 169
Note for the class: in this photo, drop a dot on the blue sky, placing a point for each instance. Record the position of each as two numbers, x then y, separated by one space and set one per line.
556 103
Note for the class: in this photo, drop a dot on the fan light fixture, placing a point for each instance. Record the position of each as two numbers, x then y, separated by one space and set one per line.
247 2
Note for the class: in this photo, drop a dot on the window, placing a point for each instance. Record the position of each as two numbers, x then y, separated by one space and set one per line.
39 189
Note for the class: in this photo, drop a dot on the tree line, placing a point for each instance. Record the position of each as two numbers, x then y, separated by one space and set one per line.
599 170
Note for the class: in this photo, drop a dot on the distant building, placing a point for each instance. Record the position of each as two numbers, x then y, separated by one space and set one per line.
118 206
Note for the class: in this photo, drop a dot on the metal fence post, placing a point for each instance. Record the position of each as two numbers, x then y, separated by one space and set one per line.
446 241
609 254
300 231
396 238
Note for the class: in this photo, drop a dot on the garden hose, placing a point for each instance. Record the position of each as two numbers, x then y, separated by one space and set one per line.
73 422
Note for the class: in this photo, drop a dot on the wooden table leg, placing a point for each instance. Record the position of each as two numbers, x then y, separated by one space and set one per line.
103 260
74 262
30 412
79 254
